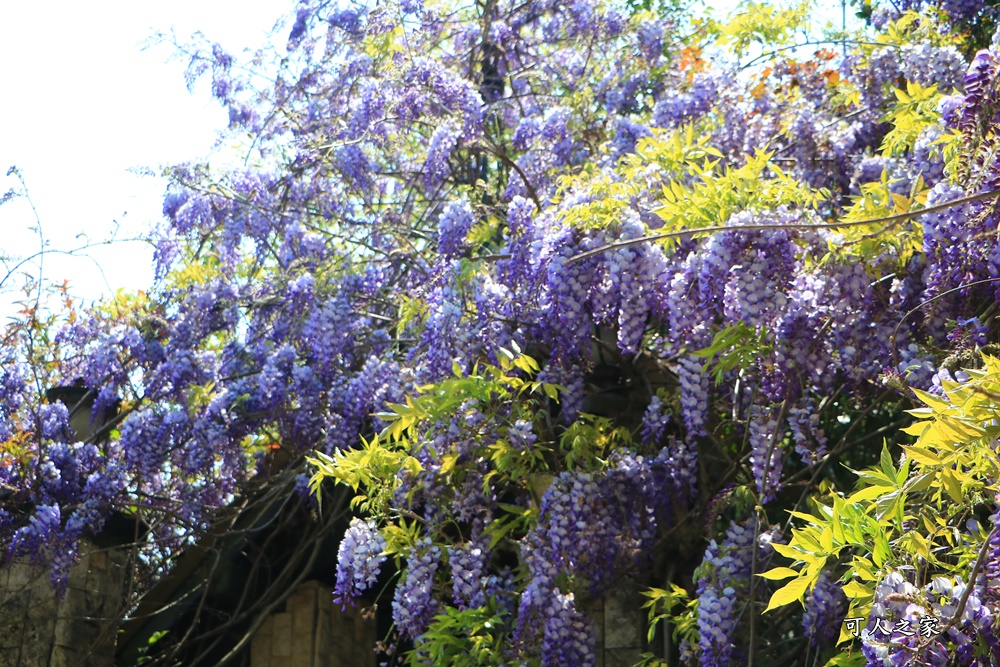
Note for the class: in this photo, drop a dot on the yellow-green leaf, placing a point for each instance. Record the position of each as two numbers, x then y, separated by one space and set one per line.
952 485
448 462
869 493
789 552
856 589
788 593
779 573
922 455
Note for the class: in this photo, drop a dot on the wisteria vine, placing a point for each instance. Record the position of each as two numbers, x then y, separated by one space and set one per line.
597 300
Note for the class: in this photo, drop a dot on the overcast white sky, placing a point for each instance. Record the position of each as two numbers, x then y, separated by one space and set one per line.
81 104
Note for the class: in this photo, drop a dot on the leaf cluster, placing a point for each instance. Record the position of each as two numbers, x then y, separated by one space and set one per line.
717 194
908 516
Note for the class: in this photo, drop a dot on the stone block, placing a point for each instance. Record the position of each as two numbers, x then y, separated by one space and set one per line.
303 631
78 574
38 633
99 560
22 576
96 605
10 657
64 657
66 632
622 657
78 630
260 646
41 607
365 637
342 638
99 579
294 600
324 599
13 616
624 621
596 616
37 654
281 637
324 640
15 603
79 604
342 627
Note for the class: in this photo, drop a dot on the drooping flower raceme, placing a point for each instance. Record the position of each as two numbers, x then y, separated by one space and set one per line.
359 558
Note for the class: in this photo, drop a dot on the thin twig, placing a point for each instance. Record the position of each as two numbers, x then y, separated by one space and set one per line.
889 220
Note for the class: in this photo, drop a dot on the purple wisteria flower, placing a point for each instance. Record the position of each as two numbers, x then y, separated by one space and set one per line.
359 558
414 606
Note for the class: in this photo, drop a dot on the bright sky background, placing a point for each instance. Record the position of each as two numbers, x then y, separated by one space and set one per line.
82 104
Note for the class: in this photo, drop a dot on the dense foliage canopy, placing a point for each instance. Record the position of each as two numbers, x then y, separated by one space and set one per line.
571 294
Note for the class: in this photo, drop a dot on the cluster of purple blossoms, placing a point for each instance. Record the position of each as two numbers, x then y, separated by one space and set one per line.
904 618
651 34
825 606
444 338
957 253
33 538
468 567
724 574
454 225
766 453
521 435
592 527
44 541
933 65
442 143
13 393
359 558
979 87
961 9
677 108
654 422
353 219
810 440
694 394
565 299
54 423
568 639
414 605
627 136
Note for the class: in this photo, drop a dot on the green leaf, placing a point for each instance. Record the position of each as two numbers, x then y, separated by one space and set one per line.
885 461
882 552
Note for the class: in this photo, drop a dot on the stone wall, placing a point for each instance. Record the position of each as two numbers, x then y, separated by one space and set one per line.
313 632
79 630
620 624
